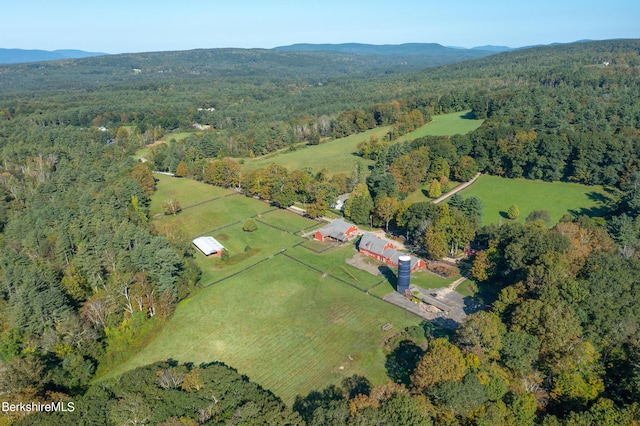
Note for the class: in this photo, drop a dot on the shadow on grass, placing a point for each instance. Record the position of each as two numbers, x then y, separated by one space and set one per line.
389 275
468 116
591 212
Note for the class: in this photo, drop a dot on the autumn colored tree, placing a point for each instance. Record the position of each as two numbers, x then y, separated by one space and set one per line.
435 190
385 209
318 207
443 361
172 206
481 333
410 170
465 169
434 243
142 174
181 170
483 265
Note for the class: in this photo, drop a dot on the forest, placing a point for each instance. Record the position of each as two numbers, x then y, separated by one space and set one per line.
87 280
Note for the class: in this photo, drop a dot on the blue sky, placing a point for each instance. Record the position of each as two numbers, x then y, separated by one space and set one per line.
119 26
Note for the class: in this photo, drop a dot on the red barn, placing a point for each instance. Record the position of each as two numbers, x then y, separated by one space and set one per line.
383 250
338 230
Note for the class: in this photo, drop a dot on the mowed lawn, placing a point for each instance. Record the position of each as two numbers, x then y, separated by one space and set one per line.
558 198
283 325
339 155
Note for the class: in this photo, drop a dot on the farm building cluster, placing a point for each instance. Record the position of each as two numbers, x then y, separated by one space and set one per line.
370 245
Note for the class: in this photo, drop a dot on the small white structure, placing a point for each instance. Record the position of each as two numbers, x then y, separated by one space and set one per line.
340 201
209 246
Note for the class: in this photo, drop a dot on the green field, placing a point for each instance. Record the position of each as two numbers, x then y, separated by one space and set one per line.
558 198
187 191
336 156
339 155
456 123
282 324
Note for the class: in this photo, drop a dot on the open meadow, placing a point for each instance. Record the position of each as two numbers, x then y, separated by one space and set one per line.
339 155
336 156
286 326
455 123
558 198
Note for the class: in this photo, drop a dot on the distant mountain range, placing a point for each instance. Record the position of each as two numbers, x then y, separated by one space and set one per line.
437 54
16 56
420 49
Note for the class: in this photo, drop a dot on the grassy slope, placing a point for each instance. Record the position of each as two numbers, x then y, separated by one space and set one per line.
338 155
283 325
187 191
558 198
456 123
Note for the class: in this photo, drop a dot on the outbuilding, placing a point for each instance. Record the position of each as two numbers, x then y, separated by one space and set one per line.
338 230
209 246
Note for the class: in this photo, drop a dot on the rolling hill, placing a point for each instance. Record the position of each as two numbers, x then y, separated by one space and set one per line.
16 56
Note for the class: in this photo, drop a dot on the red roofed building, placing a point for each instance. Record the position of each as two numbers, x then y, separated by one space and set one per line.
338 230
383 250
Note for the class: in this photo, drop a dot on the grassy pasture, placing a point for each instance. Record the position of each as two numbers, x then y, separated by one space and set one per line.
558 198
245 249
187 191
338 155
284 326
290 222
332 262
455 123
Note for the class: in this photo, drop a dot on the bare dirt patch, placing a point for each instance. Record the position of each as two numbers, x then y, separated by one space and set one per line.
359 261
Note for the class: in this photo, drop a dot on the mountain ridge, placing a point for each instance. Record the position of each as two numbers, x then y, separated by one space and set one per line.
18 56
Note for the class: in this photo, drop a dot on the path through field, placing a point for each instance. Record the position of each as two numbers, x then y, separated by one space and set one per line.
456 189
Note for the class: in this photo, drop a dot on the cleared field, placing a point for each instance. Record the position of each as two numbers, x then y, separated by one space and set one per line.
144 151
456 123
209 216
288 221
284 326
245 249
332 262
339 155
558 198
336 156
186 191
